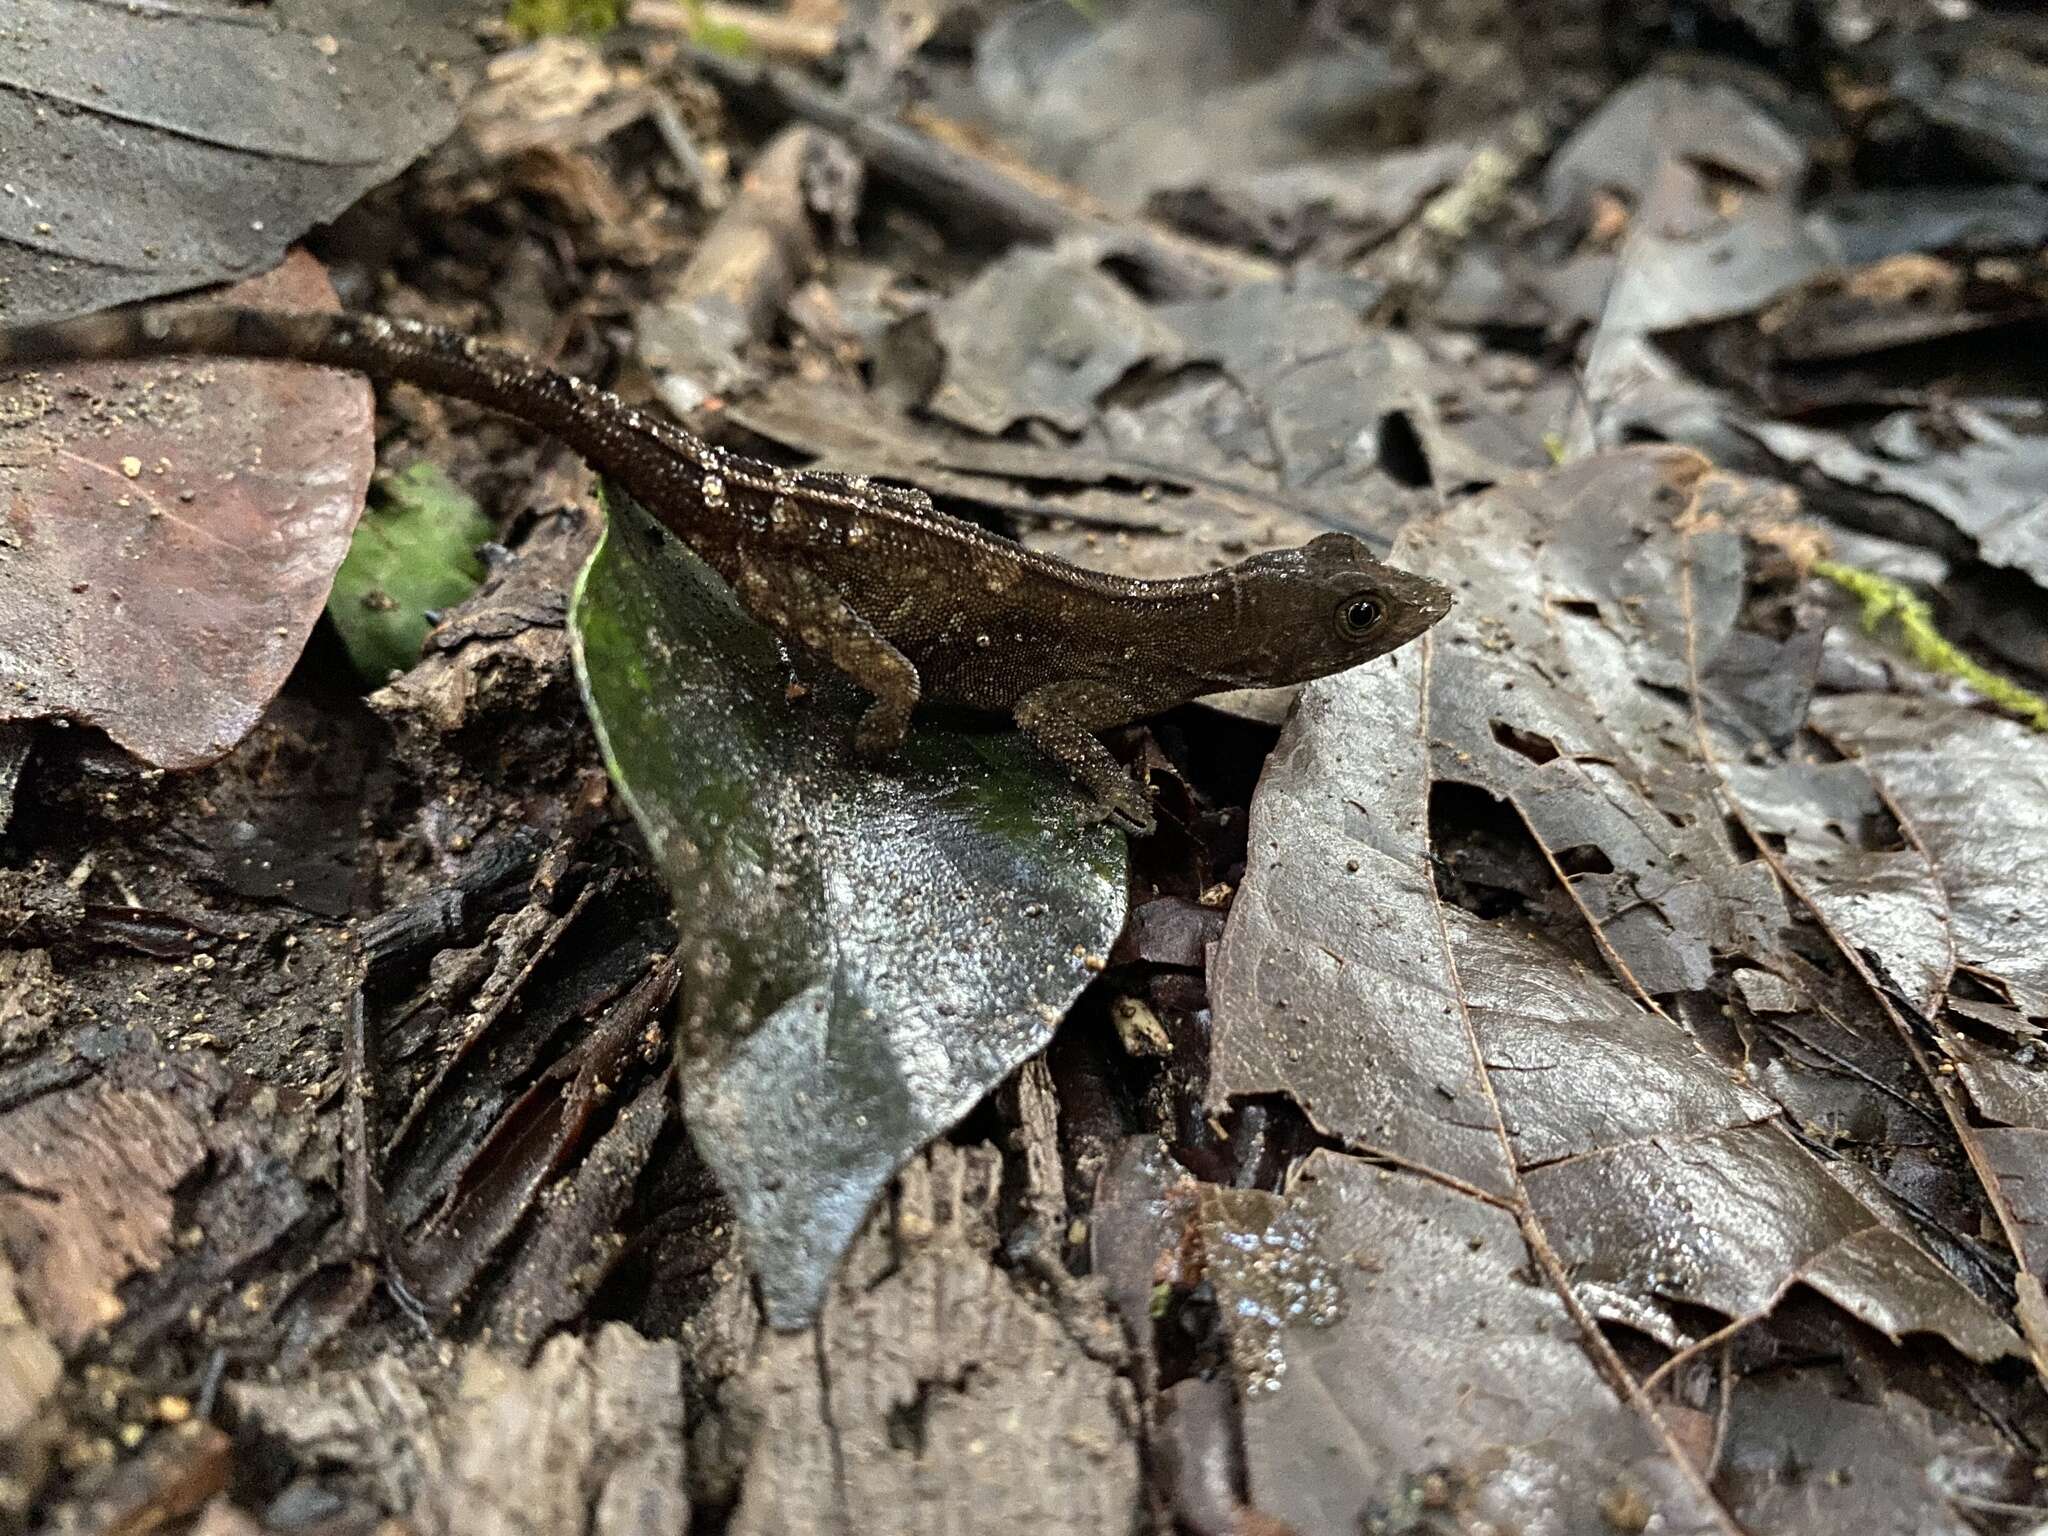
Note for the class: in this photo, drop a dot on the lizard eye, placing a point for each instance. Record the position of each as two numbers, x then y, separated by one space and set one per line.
1357 617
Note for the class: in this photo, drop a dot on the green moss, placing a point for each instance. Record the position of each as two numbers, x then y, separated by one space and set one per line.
1882 599
719 37
555 18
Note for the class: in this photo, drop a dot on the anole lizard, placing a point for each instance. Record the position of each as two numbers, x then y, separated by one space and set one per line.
912 605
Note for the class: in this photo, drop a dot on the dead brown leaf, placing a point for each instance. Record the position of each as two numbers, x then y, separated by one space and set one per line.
169 532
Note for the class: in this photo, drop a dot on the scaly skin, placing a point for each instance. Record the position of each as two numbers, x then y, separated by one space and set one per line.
912 605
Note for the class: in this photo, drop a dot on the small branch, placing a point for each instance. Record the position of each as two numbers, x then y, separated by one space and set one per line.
1002 199
774 34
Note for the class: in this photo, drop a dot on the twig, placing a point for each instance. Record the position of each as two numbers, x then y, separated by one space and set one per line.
773 34
1414 262
1003 200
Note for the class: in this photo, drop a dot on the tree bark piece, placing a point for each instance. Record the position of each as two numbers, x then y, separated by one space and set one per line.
29 1368
588 1440
87 1175
936 1395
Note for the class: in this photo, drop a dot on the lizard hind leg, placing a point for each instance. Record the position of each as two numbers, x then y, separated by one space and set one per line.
805 609
1062 718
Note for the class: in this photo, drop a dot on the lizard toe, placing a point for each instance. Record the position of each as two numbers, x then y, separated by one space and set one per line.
1136 825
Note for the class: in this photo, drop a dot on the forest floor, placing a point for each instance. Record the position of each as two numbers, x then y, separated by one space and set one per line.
474 1054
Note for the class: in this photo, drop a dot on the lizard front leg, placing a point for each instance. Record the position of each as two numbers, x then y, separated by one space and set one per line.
802 606
1063 718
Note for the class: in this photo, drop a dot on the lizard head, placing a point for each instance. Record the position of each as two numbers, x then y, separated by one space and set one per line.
1307 612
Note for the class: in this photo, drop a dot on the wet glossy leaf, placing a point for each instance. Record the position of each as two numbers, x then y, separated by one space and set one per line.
1730 1221
1881 896
865 953
414 551
1372 1275
1970 792
1973 790
1493 1053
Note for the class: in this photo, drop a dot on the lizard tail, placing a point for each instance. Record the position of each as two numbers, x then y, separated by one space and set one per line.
133 333
617 441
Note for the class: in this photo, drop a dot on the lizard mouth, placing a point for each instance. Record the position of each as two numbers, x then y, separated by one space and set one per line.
1418 603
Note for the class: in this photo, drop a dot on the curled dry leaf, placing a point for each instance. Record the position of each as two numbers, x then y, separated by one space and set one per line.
1039 335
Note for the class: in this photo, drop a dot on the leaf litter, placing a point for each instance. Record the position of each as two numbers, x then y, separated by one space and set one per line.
1414 1032
158 148
1624 1016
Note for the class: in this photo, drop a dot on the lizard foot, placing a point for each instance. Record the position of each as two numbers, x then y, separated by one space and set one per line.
880 733
1056 716
1129 811
1137 826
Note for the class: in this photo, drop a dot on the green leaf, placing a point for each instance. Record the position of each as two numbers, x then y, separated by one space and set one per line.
867 951
413 552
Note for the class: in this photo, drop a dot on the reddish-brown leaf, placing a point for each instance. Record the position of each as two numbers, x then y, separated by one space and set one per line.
168 533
